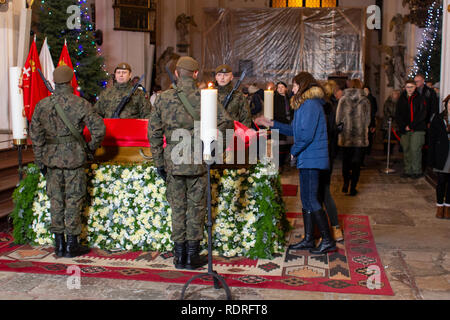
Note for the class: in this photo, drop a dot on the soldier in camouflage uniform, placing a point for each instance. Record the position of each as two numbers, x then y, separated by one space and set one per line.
238 108
61 158
186 183
139 105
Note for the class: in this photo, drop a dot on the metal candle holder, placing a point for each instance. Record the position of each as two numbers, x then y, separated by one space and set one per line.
19 143
211 273
388 170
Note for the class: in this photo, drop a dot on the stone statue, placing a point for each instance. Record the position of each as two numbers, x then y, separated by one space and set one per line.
182 23
389 69
167 58
398 22
394 65
398 55
377 77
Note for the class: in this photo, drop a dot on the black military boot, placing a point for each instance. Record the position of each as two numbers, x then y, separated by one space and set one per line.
60 244
179 259
193 259
308 239
327 244
73 248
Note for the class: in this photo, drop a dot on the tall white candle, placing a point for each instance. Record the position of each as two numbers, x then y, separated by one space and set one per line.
18 119
208 126
268 104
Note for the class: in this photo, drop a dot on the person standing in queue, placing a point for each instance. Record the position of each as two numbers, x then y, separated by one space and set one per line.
309 129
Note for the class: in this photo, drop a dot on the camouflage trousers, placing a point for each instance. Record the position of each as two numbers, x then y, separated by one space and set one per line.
66 189
187 198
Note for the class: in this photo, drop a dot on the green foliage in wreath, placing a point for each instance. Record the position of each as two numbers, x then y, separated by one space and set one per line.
23 198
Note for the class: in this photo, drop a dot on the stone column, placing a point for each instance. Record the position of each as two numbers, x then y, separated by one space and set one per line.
390 9
445 66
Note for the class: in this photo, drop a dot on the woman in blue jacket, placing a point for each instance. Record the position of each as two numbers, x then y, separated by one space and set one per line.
309 130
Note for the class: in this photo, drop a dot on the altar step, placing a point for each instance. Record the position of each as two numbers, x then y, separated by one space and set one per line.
9 176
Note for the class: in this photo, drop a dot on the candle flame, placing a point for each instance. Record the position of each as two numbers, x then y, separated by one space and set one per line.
210 85
269 88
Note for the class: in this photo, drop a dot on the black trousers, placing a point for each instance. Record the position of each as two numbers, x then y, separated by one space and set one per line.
351 164
324 196
443 188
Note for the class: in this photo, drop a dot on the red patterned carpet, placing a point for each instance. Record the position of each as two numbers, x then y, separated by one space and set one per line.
289 190
349 270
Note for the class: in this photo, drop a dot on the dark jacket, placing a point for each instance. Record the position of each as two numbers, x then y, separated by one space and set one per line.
417 121
281 113
438 148
257 102
309 130
373 110
431 101
330 113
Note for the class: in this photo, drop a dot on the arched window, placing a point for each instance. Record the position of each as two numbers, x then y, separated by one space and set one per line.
304 3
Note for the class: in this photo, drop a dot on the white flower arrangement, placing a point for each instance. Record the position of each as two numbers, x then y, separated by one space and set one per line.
127 209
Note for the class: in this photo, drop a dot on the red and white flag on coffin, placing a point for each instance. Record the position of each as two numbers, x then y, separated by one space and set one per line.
34 89
64 60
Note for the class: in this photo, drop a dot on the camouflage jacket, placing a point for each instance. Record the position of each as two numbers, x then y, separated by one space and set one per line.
138 107
238 108
46 127
168 115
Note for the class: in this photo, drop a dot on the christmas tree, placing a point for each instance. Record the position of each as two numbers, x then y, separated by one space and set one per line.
58 20
428 58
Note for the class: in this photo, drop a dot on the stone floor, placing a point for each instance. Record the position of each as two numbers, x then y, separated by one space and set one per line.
413 245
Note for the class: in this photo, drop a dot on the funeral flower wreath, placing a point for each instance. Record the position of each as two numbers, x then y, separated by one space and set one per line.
127 209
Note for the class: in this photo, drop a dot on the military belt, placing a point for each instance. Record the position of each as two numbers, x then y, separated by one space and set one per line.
61 140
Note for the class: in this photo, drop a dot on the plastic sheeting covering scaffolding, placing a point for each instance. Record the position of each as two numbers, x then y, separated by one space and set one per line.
276 44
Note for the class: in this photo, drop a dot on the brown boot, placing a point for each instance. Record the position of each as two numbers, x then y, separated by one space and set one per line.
337 233
446 212
440 212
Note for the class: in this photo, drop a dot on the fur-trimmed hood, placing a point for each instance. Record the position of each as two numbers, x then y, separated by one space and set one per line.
313 93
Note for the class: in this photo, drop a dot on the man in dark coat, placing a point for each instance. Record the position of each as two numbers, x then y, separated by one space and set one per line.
429 96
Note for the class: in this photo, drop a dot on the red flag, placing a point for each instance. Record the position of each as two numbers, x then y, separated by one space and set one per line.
34 89
64 60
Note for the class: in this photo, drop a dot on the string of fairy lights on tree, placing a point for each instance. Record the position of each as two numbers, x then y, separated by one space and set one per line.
88 23
429 40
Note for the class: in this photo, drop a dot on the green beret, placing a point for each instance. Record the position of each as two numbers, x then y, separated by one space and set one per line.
62 74
188 63
224 68
123 66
